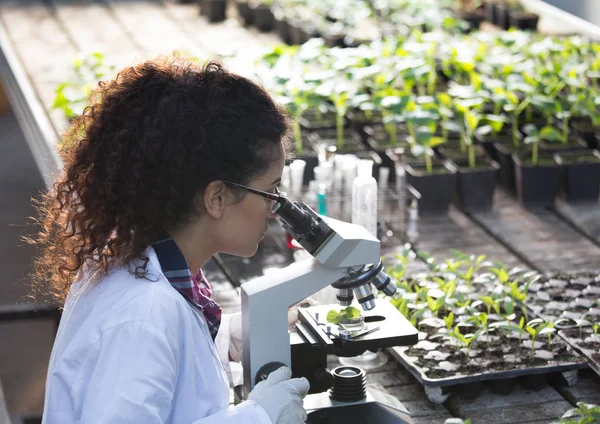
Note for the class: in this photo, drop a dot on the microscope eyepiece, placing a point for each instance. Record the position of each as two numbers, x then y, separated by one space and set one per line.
303 224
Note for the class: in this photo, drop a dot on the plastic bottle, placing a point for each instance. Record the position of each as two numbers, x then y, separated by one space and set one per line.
364 197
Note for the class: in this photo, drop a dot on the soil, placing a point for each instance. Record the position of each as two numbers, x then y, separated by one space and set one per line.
566 296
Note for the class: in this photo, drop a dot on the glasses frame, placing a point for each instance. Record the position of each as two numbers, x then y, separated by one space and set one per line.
273 197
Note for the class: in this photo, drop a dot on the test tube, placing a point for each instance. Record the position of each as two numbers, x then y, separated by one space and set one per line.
384 175
285 179
349 172
297 174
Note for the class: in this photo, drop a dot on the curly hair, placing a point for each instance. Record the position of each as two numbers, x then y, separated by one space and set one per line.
150 141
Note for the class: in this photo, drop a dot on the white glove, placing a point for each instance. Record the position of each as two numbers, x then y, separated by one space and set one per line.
235 328
281 396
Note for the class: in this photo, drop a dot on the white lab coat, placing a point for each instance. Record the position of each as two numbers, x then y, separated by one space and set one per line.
129 350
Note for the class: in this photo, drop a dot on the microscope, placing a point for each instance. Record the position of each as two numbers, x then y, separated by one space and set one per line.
347 257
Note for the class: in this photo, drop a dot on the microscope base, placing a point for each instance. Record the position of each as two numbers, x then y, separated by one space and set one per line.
378 407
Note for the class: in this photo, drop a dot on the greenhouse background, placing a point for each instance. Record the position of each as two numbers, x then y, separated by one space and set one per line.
479 121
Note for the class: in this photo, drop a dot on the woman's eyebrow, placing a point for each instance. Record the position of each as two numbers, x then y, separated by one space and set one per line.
277 181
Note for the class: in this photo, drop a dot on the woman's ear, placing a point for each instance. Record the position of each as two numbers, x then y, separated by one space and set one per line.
215 199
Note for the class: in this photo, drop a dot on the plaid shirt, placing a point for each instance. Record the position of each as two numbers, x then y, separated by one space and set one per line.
196 289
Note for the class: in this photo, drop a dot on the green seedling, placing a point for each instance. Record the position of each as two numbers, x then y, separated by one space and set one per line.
337 317
515 108
490 304
461 341
73 96
449 320
393 107
435 305
583 414
535 135
537 327
481 321
510 326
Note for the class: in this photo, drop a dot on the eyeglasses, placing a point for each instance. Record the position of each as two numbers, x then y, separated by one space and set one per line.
272 198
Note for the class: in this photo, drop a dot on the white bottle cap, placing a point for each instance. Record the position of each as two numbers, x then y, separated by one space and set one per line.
365 168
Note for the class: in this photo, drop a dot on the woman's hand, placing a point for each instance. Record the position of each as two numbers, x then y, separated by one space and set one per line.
281 396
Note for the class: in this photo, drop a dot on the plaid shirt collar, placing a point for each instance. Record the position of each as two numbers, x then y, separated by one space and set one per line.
195 289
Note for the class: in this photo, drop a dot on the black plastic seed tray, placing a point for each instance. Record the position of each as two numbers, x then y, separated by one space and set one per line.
399 353
586 343
569 296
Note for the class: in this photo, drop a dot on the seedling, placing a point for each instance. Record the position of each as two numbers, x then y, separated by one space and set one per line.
535 135
73 96
537 327
337 317
583 414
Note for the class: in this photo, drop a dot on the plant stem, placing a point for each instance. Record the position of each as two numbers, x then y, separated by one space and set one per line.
297 135
472 156
428 163
565 134
411 131
515 132
529 113
463 143
339 121
534 153
444 131
391 129
318 114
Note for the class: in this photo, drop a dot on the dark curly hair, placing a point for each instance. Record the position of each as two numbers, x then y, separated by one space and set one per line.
151 140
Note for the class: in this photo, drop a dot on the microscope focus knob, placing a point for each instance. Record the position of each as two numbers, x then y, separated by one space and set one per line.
267 369
322 381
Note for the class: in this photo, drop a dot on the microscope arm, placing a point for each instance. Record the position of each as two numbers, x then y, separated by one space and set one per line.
265 303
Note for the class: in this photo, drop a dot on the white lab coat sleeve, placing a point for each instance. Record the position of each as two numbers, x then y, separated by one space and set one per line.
130 377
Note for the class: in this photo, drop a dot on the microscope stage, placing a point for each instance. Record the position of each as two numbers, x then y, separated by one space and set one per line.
384 326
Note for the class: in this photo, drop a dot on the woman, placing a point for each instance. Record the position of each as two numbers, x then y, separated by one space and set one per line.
151 191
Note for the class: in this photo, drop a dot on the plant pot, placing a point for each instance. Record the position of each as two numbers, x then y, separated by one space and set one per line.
504 158
487 142
281 25
525 21
215 10
585 130
301 32
572 145
454 153
245 12
203 7
473 18
536 184
501 16
475 186
489 11
263 18
436 189
580 179
334 39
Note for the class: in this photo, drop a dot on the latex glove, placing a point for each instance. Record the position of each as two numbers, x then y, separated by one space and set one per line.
235 328
281 396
